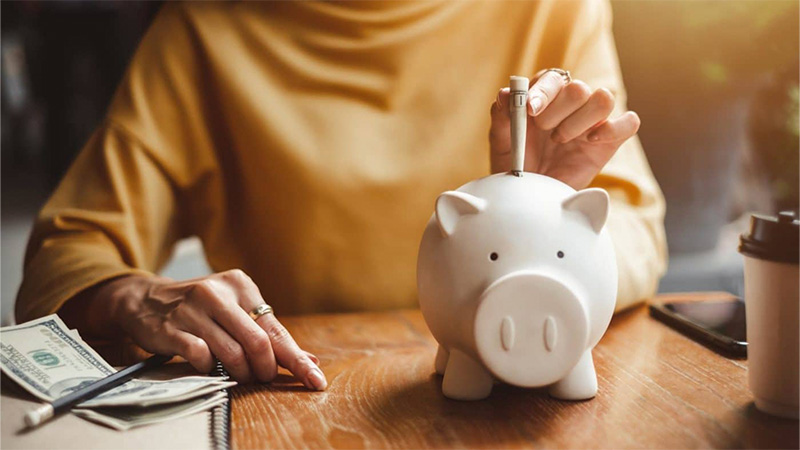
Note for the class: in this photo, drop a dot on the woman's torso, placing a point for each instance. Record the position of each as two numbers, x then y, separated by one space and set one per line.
336 125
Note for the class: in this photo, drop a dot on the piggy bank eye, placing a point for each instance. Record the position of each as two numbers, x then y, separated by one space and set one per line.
560 254
494 256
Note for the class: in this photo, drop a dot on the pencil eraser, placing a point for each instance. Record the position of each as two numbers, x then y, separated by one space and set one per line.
518 83
36 416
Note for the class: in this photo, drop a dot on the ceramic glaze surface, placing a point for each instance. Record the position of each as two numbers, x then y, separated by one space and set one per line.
517 281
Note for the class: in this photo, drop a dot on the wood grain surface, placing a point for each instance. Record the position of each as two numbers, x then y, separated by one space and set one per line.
657 389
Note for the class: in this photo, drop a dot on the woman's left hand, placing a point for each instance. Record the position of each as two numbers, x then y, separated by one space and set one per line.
570 133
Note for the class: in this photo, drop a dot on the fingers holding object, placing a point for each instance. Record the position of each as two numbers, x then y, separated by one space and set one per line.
574 96
616 130
499 131
544 91
501 102
595 109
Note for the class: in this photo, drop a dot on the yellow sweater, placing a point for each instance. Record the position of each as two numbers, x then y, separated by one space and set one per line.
305 143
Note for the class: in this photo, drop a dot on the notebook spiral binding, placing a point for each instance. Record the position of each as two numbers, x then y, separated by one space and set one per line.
220 419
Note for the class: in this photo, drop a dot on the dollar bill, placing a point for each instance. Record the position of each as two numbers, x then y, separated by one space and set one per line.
125 418
152 392
75 334
49 360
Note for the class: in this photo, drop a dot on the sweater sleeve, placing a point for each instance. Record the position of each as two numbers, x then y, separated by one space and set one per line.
124 201
113 214
636 218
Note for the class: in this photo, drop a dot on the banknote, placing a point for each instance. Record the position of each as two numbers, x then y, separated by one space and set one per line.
49 360
127 417
152 392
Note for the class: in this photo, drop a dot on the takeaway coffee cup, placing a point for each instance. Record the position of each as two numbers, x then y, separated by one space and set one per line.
771 296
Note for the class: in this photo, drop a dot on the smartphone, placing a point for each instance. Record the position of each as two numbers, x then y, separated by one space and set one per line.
716 323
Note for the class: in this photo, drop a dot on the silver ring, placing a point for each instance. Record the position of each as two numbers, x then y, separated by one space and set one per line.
564 74
260 310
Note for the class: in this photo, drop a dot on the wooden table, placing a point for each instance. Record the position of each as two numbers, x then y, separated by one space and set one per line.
658 389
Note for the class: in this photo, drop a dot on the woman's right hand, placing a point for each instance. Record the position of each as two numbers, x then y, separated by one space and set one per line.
204 318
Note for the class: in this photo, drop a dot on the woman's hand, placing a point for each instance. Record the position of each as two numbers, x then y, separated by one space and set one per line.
205 318
570 135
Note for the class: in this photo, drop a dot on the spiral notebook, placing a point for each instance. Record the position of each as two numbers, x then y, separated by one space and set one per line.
220 419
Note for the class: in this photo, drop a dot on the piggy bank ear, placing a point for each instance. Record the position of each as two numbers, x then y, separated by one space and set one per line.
592 203
451 206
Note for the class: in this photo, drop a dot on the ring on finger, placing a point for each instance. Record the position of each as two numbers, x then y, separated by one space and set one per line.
564 74
260 310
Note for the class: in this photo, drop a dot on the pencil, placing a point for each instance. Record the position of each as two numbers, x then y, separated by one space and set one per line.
43 413
518 109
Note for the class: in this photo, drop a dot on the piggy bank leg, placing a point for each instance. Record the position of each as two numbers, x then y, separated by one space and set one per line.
580 383
465 379
441 360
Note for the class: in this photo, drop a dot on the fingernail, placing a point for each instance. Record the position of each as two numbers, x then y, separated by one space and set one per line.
536 105
317 379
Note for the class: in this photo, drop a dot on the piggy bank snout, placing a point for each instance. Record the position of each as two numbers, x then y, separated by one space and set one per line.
530 329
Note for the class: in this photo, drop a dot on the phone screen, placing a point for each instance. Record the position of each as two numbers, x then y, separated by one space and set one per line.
724 317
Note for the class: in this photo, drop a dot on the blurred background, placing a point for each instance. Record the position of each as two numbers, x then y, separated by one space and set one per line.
715 83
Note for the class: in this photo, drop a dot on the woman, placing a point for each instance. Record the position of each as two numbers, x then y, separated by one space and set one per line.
304 143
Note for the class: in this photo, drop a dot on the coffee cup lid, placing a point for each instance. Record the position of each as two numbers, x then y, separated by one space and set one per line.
773 238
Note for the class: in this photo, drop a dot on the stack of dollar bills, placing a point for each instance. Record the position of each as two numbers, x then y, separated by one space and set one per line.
49 360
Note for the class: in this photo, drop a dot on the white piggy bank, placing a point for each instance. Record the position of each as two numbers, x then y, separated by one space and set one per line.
517 281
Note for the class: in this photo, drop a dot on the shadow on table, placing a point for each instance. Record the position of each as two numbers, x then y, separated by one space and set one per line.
508 417
283 382
758 429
